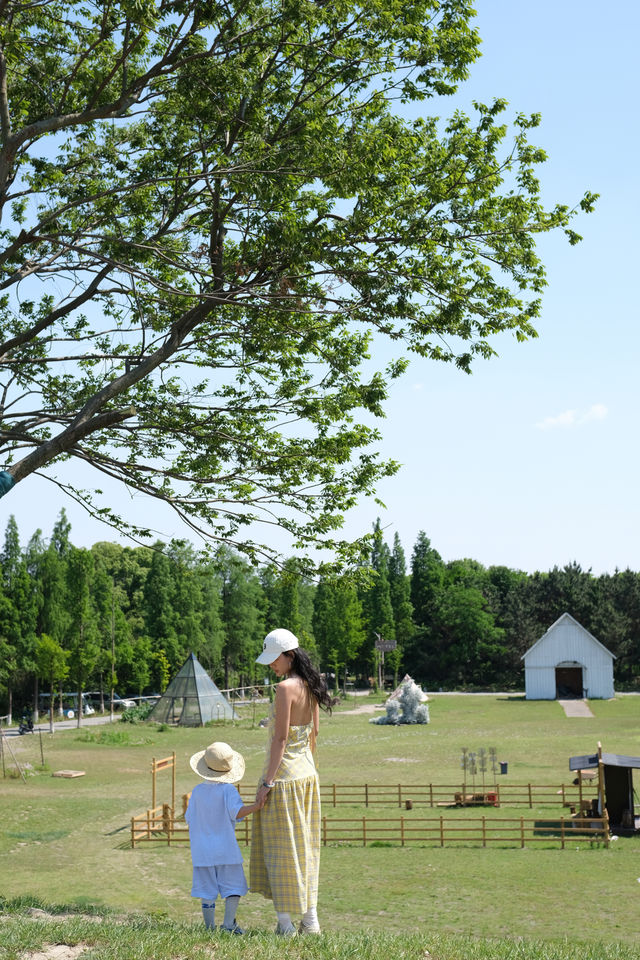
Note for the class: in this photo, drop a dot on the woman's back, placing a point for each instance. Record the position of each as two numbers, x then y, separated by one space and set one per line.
301 711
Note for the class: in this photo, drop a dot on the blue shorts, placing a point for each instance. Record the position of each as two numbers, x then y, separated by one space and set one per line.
226 879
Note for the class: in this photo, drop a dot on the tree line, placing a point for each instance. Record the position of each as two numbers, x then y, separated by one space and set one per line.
127 617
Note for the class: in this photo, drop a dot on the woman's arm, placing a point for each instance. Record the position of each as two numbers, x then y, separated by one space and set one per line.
284 699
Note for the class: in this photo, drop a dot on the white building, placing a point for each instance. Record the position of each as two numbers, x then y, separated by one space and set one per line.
567 661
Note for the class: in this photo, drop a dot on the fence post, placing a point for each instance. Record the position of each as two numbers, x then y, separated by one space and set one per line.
167 813
402 831
484 831
431 795
173 783
564 799
562 833
334 794
441 831
324 831
366 794
399 795
530 798
522 832
580 790
364 831
498 794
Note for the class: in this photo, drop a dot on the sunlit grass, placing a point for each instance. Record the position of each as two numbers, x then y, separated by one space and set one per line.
68 840
108 937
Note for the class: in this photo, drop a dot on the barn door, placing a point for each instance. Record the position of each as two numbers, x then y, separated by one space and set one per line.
569 683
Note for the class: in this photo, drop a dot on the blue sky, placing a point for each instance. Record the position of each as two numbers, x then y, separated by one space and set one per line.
533 460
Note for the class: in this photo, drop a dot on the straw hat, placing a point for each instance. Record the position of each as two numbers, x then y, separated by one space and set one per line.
275 643
218 763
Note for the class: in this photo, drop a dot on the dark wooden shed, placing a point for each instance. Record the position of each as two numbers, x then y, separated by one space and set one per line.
615 785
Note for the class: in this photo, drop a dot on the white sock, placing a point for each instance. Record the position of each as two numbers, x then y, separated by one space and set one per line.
230 910
284 921
209 914
310 918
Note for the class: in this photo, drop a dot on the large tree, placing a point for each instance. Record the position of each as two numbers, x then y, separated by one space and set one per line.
210 209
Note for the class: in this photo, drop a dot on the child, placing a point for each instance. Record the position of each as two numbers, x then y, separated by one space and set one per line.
214 807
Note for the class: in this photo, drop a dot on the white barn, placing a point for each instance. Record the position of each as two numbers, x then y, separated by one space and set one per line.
567 661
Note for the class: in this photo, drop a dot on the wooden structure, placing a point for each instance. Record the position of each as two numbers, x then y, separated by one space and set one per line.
568 662
158 826
576 795
161 824
614 786
167 763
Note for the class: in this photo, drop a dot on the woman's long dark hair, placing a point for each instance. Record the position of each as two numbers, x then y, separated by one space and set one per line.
301 665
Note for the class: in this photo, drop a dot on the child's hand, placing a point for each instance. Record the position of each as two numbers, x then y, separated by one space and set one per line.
261 795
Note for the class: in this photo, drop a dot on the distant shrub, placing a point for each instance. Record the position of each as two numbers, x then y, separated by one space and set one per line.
137 714
114 736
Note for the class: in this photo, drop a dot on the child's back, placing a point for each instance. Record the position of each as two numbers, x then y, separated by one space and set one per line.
211 817
214 808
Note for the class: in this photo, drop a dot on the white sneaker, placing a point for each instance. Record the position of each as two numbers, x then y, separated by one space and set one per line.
309 927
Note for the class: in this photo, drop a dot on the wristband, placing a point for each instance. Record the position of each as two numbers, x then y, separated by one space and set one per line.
267 785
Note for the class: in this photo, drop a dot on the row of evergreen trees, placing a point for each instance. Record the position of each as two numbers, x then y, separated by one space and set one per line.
84 618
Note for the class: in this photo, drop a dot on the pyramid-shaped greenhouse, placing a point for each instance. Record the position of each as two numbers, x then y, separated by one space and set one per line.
192 698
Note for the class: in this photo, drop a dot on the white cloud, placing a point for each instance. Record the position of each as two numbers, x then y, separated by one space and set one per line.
572 418
596 412
566 419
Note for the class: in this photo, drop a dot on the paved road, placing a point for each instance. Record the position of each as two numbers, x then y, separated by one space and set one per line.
61 725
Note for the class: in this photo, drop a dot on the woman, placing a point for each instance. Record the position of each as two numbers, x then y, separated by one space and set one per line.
285 848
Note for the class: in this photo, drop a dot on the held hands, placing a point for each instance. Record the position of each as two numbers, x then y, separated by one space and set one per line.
262 794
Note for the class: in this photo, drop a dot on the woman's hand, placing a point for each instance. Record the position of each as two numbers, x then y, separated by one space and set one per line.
262 794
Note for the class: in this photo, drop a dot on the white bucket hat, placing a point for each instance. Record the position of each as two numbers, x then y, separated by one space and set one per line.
275 643
218 763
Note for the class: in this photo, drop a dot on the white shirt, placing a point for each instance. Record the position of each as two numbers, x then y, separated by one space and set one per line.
211 817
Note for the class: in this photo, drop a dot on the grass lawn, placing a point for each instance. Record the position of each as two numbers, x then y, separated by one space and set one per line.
66 841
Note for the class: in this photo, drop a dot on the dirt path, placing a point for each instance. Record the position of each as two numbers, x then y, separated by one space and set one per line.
365 708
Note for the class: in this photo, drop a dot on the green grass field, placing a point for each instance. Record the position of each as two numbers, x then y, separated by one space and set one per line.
66 841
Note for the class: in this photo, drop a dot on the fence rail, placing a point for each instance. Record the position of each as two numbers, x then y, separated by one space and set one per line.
460 794
158 825
432 795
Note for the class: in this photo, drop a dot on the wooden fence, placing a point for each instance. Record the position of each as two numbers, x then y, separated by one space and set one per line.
515 832
446 795
460 794
160 826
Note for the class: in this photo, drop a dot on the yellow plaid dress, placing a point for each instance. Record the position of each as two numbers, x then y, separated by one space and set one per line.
285 834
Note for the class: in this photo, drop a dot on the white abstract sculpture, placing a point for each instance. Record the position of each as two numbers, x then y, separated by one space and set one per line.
406 705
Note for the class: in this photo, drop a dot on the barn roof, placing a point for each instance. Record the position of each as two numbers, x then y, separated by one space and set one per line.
567 616
609 759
